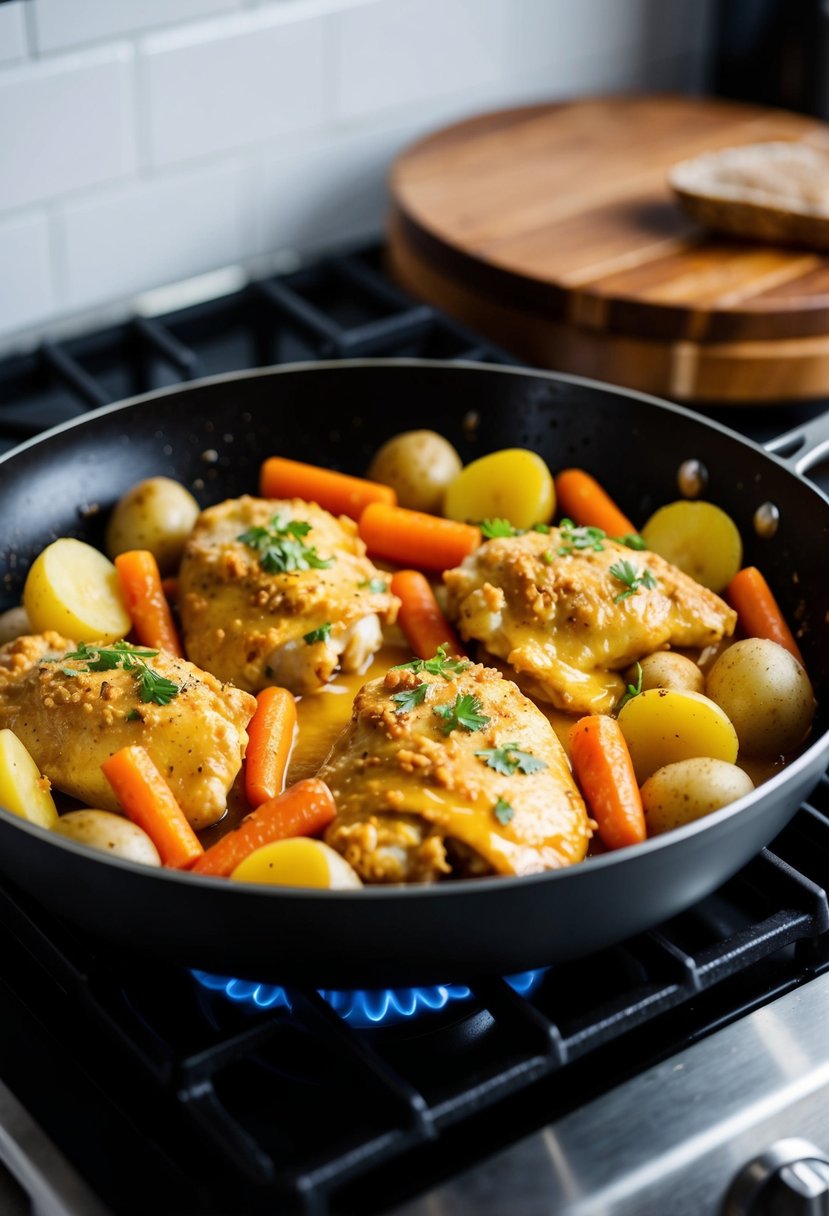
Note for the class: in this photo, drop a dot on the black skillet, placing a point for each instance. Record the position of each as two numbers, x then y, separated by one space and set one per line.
213 436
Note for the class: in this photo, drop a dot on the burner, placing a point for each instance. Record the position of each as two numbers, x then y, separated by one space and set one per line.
362 1009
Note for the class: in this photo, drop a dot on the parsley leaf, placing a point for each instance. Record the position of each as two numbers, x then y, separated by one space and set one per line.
410 697
134 716
465 711
633 690
632 540
627 573
318 635
493 528
502 811
281 546
375 585
509 758
543 528
548 557
439 665
579 538
151 685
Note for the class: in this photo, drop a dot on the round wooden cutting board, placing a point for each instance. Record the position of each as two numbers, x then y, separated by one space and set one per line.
552 229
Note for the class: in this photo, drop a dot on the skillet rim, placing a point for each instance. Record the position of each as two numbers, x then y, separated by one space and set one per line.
454 889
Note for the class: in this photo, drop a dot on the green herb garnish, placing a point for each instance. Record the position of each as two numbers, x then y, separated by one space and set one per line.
134 716
151 685
318 635
574 538
494 528
633 690
543 528
502 811
631 540
509 758
409 698
281 546
548 557
375 585
440 665
465 711
627 573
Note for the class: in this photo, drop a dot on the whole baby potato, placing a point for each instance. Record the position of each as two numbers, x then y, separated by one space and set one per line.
684 791
665 669
108 833
157 514
418 465
766 694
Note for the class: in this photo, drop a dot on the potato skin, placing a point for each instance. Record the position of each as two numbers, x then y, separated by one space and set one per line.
109 833
766 694
684 791
157 514
665 669
418 465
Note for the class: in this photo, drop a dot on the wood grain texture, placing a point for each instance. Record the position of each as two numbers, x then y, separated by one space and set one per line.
564 212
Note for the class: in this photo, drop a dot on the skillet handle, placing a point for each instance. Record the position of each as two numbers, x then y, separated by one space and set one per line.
804 446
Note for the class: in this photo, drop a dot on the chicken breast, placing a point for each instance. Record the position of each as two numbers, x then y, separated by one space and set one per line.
71 719
451 775
280 592
568 622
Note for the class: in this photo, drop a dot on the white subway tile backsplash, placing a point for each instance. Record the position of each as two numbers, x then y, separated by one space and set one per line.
25 276
63 23
151 233
393 53
12 32
65 123
231 82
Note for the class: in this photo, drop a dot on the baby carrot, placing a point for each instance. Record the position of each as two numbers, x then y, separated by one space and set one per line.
582 499
416 539
302 810
420 616
759 614
602 766
148 801
336 492
146 602
270 738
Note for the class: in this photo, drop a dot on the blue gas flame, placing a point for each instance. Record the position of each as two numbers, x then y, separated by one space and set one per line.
362 1008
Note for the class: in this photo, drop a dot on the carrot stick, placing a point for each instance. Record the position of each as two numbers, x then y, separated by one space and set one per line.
336 492
582 499
603 768
759 614
146 602
270 738
420 616
302 810
416 539
148 801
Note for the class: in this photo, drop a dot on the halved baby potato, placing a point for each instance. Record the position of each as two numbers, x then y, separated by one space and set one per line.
513 484
298 862
73 589
22 789
110 834
664 725
699 538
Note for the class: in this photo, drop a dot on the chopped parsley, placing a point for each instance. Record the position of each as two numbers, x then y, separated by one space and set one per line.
465 712
502 811
543 528
375 585
627 573
633 690
493 528
575 538
410 697
151 685
548 557
439 665
134 716
318 635
281 546
631 540
509 758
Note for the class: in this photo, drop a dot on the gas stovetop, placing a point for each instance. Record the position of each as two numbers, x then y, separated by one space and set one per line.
152 1089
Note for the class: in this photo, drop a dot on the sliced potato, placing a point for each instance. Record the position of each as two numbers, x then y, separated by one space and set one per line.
299 862
666 669
766 694
157 514
418 465
664 725
682 792
74 589
22 789
699 538
111 834
513 484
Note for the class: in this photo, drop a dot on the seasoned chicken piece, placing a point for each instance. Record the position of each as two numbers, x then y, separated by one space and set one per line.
259 577
566 624
72 718
454 774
